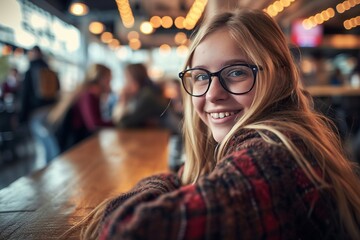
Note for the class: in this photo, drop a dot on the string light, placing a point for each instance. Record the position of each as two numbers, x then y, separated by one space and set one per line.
346 5
125 12
352 23
278 6
179 22
318 18
194 14
166 22
156 21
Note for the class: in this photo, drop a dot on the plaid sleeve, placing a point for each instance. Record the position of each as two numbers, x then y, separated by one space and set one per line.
145 190
243 198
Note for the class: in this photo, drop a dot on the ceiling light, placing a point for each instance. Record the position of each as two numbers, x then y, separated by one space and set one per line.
78 8
146 27
126 13
194 14
96 27
277 7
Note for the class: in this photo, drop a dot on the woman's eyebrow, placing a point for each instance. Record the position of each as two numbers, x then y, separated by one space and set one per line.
234 61
225 63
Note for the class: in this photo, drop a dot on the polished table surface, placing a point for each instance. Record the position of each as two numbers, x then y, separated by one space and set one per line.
47 203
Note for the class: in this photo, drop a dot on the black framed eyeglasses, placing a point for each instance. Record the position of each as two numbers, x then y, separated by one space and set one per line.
236 79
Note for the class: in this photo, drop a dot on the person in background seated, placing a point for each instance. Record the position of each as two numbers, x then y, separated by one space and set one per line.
261 163
80 115
141 103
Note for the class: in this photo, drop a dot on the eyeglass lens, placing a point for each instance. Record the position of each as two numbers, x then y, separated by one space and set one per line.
237 79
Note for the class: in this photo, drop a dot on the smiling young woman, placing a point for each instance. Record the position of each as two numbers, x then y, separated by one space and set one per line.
260 162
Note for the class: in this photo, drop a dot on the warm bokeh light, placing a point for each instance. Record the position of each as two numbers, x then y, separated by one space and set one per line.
78 9
194 14
346 5
156 21
318 18
106 37
180 38
114 43
156 73
307 66
179 22
166 22
182 50
164 49
133 35
344 41
96 27
352 23
146 27
135 44
125 12
7 50
278 6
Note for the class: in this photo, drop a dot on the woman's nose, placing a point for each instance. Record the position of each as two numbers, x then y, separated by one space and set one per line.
216 91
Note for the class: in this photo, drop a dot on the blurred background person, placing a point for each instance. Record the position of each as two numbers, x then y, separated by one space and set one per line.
40 90
40 87
141 102
337 78
11 85
79 115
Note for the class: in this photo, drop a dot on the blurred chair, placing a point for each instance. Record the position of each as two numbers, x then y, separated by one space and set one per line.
7 134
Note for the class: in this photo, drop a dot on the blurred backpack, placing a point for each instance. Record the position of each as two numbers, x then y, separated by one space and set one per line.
46 83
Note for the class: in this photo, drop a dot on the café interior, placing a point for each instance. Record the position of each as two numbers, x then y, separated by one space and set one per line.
324 37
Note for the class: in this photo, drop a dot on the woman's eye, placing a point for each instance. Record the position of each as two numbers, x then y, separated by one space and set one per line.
201 77
236 73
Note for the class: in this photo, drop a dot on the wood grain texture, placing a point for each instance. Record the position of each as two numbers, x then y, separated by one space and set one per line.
47 203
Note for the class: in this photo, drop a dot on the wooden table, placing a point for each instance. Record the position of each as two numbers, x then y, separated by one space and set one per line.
47 203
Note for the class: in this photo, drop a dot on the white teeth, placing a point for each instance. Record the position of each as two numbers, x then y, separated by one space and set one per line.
221 115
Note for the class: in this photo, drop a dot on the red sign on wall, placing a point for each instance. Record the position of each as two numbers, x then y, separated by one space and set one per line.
306 37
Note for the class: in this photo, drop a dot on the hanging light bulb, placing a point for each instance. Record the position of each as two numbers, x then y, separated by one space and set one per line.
78 8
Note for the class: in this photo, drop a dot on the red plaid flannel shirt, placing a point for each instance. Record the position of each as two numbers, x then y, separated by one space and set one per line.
257 192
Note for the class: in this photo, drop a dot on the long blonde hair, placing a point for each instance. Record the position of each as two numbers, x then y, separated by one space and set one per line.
280 106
